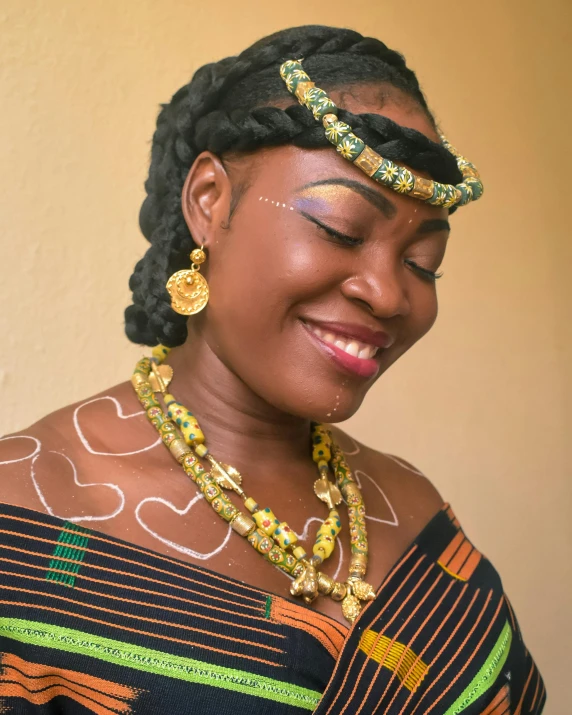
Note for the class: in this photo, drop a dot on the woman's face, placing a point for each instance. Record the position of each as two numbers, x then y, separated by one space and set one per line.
323 278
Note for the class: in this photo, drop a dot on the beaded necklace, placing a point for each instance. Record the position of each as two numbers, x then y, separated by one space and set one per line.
275 540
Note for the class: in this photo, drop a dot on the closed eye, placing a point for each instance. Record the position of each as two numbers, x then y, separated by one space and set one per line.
424 273
338 235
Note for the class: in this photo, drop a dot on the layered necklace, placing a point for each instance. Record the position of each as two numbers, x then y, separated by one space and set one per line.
274 539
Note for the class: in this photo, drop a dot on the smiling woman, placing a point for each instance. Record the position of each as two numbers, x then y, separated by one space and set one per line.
279 285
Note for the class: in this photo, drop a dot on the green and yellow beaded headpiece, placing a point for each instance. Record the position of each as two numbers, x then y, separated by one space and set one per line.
384 171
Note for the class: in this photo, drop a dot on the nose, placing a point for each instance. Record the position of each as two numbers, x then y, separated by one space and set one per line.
382 289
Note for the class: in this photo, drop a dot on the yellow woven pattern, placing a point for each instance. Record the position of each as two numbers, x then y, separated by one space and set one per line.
393 654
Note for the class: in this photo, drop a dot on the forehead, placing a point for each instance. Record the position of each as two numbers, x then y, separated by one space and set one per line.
387 101
279 172
286 168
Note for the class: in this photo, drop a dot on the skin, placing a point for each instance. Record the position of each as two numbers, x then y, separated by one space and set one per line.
250 370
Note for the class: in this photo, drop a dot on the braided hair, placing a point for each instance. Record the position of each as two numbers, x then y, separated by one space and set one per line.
227 107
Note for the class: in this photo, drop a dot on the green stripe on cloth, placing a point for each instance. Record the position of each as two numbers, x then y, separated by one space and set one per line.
487 675
157 662
68 554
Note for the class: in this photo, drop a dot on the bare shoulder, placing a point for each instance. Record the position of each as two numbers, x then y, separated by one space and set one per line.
36 463
391 482
19 455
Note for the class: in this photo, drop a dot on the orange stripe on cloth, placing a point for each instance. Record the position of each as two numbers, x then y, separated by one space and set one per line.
19 690
460 558
97 536
131 587
438 630
39 670
139 618
259 608
501 703
451 549
153 606
524 690
357 680
395 595
536 691
470 657
290 614
458 561
123 628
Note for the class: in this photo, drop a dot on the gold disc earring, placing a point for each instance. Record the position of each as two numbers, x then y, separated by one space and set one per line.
188 288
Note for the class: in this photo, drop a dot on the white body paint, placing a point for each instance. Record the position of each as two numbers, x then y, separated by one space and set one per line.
33 456
51 512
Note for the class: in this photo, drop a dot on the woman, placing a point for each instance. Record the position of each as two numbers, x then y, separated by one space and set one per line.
286 281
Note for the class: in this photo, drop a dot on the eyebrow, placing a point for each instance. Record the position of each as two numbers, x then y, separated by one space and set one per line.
379 201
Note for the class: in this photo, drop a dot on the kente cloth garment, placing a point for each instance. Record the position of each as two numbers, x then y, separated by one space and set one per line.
92 624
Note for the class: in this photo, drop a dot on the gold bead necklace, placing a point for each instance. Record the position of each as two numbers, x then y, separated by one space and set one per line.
275 540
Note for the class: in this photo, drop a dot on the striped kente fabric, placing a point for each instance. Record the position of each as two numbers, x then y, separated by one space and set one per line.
92 624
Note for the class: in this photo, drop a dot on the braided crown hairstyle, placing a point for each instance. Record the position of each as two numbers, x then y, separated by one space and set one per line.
227 107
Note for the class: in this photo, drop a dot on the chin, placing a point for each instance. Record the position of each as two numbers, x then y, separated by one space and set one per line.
331 404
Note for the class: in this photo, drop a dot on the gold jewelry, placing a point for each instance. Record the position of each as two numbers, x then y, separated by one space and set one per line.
188 288
275 540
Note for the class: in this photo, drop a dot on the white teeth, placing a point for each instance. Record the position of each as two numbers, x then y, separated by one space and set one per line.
352 347
367 353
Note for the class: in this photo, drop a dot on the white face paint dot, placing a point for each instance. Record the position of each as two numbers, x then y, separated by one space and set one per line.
284 205
266 199
291 208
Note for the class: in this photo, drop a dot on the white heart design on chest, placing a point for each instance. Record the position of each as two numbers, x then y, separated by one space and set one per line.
181 512
83 439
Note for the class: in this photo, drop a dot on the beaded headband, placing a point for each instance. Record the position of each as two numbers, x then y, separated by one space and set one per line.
384 171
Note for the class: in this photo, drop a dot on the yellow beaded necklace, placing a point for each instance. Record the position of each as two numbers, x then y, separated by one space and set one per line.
275 540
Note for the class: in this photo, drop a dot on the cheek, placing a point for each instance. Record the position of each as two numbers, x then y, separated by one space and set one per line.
257 274
422 316
262 268
424 309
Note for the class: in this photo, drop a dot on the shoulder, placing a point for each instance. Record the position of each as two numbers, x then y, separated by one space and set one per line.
52 448
411 494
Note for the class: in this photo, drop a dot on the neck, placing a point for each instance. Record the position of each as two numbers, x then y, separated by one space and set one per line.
240 427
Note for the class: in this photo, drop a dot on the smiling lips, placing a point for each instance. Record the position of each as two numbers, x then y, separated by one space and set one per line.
352 347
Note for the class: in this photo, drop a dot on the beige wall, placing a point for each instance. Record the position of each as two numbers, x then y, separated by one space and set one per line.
482 405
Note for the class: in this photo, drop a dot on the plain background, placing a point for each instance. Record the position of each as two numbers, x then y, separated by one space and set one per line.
481 405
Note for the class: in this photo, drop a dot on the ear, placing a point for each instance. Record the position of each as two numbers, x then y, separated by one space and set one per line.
206 198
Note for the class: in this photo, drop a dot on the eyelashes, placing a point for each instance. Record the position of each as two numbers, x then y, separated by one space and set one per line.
423 272
351 241
338 235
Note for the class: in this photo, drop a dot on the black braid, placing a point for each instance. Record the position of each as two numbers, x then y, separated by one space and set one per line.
227 106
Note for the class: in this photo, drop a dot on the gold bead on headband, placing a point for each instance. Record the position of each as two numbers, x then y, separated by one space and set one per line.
384 171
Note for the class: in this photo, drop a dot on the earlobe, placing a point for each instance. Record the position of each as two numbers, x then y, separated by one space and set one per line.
205 198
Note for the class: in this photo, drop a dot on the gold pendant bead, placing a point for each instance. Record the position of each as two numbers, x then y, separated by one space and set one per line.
325 583
358 566
198 256
179 449
243 524
351 607
362 590
160 377
339 591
